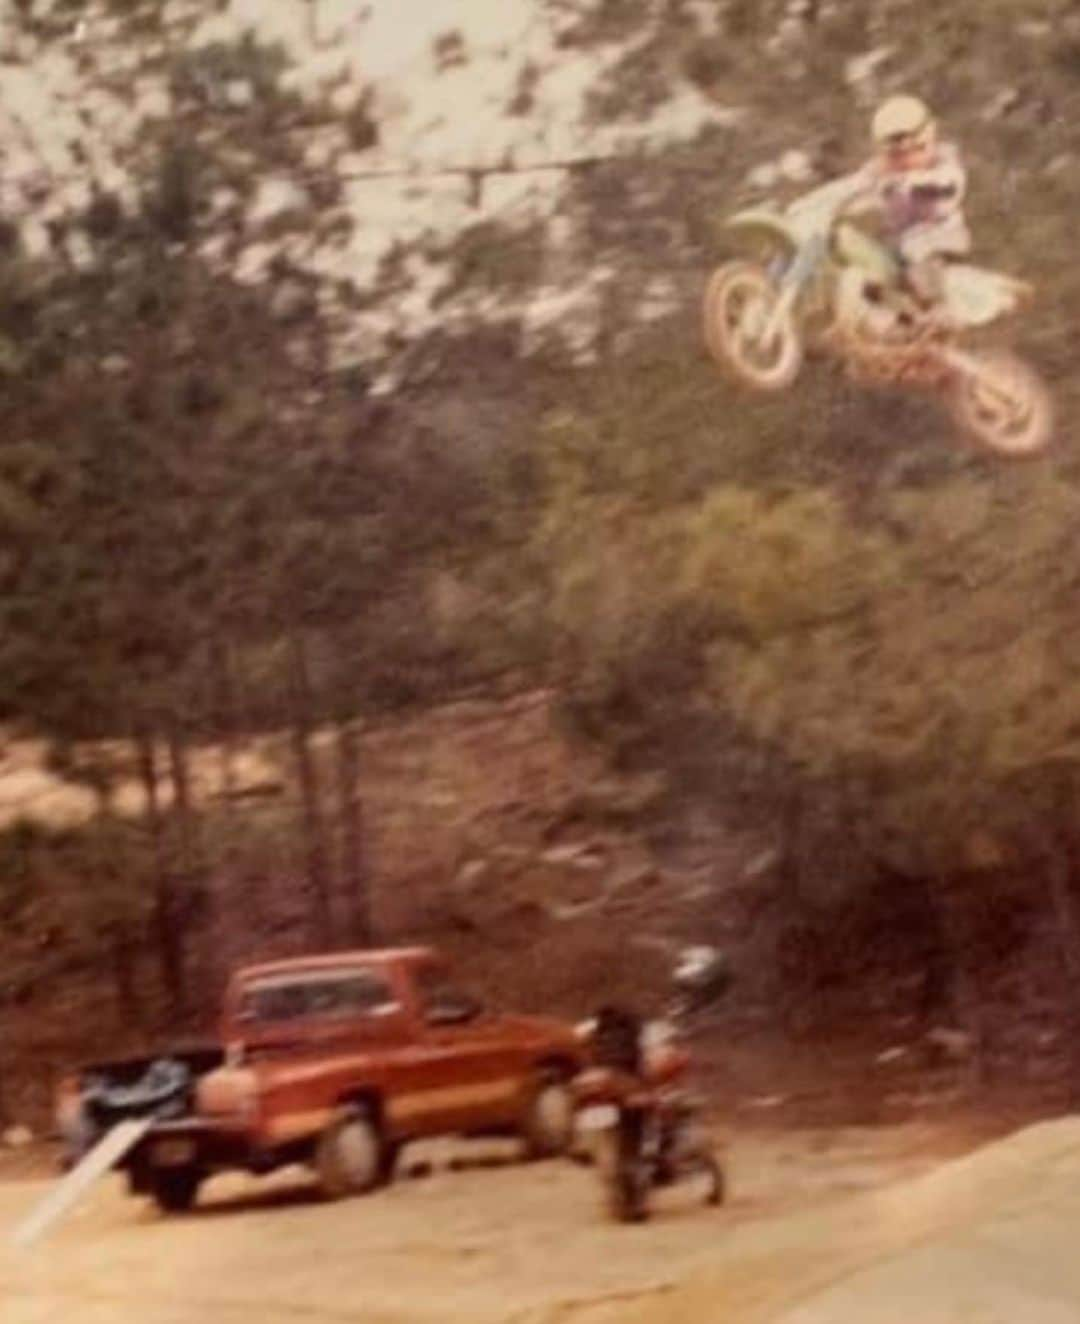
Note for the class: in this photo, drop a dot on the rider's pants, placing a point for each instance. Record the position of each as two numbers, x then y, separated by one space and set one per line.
924 251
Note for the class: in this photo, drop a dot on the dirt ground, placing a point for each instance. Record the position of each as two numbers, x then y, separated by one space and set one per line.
479 1239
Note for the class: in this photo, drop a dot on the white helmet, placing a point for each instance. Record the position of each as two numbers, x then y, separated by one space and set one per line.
701 973
903 119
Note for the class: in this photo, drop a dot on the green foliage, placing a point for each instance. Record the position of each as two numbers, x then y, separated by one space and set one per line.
360 123
204 74
194 488
768 564
175 198
966 632
599 22
921 644
491 257
79 883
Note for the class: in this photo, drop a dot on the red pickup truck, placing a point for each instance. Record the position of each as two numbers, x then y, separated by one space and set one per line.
335 1062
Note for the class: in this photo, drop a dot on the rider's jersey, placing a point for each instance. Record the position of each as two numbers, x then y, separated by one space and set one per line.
924 203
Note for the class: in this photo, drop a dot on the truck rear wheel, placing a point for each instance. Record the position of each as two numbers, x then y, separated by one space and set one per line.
390 1158
174 1190
350 1158
548 1125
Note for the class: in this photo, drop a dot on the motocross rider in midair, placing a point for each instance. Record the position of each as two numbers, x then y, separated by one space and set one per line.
917 181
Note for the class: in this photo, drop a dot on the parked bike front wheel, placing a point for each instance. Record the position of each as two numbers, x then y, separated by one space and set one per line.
624 1170
628 1191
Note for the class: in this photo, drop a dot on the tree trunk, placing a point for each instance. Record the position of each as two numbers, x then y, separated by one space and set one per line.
167 933
356 878
190 899
227 893
227 751
123 973
227 724
187 828
1056 846
115 932
963 962
310 793
1059 878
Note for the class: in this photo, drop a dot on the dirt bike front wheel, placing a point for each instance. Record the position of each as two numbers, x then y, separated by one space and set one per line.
1003 405
742 331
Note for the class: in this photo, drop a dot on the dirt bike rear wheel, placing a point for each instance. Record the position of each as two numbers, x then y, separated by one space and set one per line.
1005 408
739 300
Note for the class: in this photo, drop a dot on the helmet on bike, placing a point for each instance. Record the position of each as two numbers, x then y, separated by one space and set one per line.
701 975
903 128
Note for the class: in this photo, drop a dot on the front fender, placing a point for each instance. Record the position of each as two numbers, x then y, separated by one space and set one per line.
761 224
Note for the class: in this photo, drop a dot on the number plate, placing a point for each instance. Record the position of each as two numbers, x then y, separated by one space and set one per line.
174 1153
599 1117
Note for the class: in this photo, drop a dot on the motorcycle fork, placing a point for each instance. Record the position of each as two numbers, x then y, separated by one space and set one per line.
792 283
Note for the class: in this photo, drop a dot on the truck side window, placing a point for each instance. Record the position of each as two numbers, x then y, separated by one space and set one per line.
361 994
351 993
442 999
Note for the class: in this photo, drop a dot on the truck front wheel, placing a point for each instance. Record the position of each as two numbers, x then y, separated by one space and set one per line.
350 1158
174 1190
548 1124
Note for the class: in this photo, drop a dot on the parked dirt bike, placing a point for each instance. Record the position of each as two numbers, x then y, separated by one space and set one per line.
823 279
644 1123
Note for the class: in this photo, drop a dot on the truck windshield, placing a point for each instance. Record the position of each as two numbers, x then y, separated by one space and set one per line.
325 996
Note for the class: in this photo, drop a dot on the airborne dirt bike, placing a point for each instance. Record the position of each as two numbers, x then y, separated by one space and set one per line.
644 1123
824 279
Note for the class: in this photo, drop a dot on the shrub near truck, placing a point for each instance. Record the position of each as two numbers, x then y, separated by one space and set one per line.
336 1062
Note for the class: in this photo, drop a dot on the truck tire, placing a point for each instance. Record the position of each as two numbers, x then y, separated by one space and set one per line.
389 1160
548 1125
351 1156
174 1190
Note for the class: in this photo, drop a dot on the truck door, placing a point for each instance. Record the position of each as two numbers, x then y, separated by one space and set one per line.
463 1075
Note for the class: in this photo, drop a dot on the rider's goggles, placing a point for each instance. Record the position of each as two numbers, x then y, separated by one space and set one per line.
900 146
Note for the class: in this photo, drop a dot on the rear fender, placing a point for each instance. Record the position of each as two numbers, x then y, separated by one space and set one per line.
976 297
